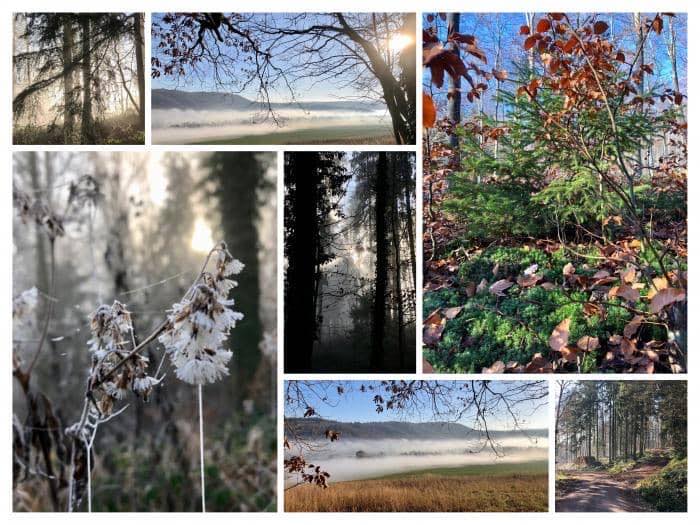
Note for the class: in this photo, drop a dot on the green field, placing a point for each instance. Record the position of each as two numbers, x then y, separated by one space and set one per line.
491 469
334 135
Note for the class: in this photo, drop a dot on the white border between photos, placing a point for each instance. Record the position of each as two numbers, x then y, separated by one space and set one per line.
357 5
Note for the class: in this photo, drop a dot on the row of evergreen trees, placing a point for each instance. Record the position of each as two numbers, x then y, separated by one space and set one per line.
612 421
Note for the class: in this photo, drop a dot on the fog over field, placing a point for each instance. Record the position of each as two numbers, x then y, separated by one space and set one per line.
356 459
189 125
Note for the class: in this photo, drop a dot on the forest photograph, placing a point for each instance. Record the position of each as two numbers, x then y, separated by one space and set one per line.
144 340
555 192
621 446
415 446
283 78
349 262
78 78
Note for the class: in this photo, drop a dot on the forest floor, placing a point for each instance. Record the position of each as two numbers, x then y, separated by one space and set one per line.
475 488
601 491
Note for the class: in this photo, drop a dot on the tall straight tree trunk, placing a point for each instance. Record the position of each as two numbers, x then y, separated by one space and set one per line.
454 94
408 192
396 241
300 314
86 128
68 104
381 266
140 70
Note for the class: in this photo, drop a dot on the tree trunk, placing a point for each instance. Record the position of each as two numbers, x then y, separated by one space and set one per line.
87 135
68 103
454 94
396 241
300 315
380 285
140 70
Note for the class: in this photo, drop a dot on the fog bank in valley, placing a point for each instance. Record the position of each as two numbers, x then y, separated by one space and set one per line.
357 459
188 125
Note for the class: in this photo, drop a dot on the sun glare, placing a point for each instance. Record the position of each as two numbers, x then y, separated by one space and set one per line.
400 41
157 183
202 240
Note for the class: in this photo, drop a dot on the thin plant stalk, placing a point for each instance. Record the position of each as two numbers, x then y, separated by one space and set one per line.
201 447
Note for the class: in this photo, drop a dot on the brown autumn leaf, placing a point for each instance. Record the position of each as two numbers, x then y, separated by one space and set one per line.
524 30
624 291
600 27
530 42
588 343
483 286
543 25
601 274
666 297
500 74
526 281
451 313
569 269
538 364
427 367
434 317
501 286
657 25
633 326
429 112
628 348
629 275
660 283
569 353
591 309
497 368
560 335
432 333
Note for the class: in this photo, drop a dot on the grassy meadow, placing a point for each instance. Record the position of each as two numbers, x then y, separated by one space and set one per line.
503 487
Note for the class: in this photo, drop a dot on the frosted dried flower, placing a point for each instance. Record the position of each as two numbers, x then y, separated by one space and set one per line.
24 305
111 329
200 323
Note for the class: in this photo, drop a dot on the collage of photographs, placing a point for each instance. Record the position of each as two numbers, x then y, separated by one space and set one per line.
293 269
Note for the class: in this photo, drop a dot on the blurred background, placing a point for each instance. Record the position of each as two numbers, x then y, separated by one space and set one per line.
136 228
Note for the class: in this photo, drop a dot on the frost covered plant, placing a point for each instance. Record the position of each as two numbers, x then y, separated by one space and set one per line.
200 323
112 338
24 305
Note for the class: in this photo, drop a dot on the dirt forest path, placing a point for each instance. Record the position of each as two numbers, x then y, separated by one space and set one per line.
599 491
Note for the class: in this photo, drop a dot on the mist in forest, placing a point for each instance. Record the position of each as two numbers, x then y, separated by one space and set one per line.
79 78
178 126
94 228
351 306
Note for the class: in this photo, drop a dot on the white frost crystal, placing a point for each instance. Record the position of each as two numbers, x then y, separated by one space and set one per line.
199 325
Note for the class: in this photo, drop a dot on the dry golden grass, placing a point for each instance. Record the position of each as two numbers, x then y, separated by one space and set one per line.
425 493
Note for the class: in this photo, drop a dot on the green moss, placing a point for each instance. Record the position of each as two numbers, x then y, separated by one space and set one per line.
517 326
667 490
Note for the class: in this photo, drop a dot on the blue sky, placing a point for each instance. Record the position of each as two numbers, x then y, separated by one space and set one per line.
305 89
487 26
356 406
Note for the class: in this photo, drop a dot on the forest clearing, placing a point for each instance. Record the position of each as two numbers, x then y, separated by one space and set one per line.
482 488
555 213
621 446
79 78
